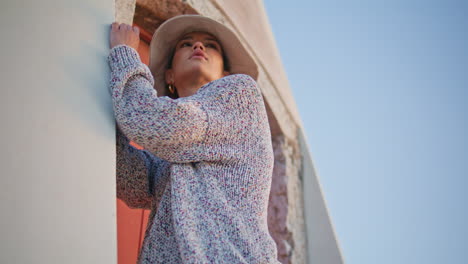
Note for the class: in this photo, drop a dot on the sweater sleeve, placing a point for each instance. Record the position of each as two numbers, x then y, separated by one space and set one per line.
172 129
139 175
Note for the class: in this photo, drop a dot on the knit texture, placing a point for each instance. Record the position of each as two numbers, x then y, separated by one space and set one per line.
206 169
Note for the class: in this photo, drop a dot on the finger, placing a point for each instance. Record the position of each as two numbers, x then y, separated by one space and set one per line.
121 26
124 27
136 29
115 26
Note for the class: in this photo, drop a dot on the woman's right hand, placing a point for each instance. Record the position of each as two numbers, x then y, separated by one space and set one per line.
123 34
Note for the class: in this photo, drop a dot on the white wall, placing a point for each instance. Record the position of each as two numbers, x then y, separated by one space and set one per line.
57 170
322 243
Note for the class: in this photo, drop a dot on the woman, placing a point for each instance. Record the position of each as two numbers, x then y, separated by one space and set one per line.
206 169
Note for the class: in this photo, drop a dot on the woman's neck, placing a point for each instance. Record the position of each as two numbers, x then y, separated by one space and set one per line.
189 87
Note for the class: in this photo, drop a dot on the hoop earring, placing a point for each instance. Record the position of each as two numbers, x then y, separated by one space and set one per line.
171 89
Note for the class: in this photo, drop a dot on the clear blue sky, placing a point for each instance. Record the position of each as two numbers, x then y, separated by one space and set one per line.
382 90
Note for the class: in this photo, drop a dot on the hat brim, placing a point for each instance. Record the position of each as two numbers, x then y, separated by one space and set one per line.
166 36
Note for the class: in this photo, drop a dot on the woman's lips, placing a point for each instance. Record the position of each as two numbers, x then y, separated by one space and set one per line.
198 55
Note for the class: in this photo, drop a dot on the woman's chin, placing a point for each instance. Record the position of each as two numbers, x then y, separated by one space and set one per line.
198 69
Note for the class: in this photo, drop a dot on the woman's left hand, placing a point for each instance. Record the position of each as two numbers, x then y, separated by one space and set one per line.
124 34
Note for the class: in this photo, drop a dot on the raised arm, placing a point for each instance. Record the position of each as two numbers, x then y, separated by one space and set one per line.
171 129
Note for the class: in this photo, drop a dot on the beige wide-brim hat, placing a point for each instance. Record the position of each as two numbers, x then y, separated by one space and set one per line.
168 34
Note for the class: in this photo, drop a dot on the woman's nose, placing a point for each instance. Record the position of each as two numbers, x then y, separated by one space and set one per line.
198 45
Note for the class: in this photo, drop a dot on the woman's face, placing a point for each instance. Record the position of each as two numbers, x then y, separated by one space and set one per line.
196 55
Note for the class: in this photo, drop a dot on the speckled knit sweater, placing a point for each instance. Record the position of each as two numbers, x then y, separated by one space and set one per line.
206 169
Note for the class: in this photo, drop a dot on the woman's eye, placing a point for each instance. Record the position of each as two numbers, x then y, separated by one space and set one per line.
211 45
185 44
